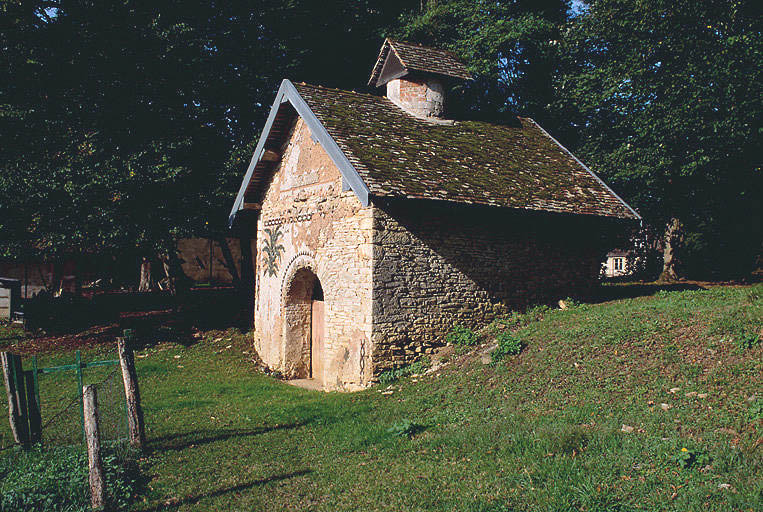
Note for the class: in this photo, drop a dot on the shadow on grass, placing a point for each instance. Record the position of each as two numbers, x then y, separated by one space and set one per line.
182 440
632 290
192 500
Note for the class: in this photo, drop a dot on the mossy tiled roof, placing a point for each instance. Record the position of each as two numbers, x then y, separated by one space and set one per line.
399 155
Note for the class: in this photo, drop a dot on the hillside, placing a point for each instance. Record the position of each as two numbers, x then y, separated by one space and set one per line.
650 403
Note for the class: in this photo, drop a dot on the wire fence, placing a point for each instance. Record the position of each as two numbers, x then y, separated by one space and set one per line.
60 401
62 426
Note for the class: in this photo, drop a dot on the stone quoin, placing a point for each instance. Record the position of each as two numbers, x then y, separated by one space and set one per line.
380 223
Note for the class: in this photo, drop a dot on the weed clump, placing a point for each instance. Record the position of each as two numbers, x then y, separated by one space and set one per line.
405 428
509 344
461 336
690 458
389 376
521 319
56 479
755 412
747 341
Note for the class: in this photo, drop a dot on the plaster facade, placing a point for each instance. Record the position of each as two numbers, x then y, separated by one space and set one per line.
309 229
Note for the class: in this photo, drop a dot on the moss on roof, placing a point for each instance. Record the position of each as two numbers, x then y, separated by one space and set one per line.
399 155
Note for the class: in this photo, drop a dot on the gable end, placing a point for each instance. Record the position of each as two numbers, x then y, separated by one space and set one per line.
288 93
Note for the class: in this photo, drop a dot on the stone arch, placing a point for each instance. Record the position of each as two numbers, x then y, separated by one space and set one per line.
303 315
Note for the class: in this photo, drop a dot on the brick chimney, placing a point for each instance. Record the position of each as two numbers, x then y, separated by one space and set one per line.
416 77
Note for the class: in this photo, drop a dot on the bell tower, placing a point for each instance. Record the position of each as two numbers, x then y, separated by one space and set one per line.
416 77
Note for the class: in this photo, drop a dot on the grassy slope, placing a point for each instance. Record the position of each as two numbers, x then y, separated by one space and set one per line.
540 431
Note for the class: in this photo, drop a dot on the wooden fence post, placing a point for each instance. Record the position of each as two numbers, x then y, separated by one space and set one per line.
93 437
14 379
132 395
23 410
6 360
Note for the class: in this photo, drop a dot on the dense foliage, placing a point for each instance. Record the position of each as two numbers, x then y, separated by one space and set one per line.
664 100
117 118
508 45
125 125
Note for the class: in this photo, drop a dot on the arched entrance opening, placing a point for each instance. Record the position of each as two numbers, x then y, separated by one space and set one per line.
304 327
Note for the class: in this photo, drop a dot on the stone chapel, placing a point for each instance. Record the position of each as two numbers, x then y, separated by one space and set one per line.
381 223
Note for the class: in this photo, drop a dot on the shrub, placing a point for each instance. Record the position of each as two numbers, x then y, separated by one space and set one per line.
509 344
570 302
56 479
533 314
536 313
461 336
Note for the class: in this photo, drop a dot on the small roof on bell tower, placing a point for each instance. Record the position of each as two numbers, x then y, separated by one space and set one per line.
397 59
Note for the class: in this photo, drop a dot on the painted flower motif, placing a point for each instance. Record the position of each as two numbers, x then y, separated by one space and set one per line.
272 249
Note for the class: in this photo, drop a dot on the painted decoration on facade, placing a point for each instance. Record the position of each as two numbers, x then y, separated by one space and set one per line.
272 249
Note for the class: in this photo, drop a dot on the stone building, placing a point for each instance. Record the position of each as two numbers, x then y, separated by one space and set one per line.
381 223
618 263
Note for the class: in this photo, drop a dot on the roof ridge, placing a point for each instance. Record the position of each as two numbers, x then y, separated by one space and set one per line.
386 100
419 45
420 58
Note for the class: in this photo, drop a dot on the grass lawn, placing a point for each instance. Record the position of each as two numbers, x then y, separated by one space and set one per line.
9 333
539 431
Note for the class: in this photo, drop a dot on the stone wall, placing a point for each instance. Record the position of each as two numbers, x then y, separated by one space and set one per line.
36 276
439 264
308 224
202 259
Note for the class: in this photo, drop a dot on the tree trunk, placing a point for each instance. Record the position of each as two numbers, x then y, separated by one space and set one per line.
146 282
179 283
165 259
57 281
671 251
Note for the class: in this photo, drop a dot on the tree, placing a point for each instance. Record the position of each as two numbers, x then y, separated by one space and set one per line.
664 99
510 47
118 120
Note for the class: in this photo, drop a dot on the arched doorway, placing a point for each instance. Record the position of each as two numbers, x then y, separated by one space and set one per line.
304 327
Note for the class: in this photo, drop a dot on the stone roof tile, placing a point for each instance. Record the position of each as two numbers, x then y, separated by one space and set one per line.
415 57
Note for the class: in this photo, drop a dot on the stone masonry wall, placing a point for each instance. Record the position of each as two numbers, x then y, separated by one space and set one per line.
436 265
308 222
423 97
